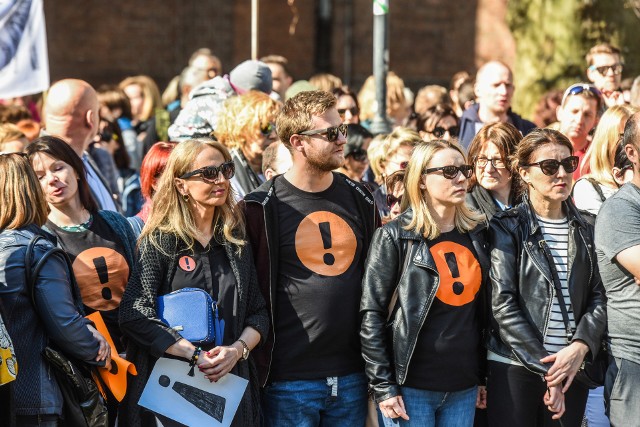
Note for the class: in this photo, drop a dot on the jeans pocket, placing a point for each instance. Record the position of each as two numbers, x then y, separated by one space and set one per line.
616 387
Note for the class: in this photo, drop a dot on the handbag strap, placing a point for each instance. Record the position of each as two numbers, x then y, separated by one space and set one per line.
405 263
556 284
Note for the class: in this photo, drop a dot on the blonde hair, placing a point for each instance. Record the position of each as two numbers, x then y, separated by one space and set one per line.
171 213
325 81
395 96
601 153
376 154
10 132
150 93
243 116
21 196
416 198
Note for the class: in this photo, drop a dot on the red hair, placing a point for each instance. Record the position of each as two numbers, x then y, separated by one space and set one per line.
153 165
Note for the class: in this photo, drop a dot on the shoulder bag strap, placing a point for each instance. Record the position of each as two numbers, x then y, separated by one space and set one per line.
596 186
405 263
558 287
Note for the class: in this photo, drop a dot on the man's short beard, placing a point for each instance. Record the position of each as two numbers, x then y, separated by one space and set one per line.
323 165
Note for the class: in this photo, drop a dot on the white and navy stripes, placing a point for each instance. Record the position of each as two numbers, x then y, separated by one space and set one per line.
556 234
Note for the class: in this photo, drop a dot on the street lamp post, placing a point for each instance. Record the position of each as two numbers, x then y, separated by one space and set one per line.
380 124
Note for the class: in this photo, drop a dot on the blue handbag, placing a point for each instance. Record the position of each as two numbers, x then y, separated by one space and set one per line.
194 314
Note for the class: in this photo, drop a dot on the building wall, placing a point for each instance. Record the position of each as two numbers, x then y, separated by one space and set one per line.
105 41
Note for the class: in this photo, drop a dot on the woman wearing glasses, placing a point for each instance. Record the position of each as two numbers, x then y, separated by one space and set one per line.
438 122
493 187
194 237
422 304
246 127
547 299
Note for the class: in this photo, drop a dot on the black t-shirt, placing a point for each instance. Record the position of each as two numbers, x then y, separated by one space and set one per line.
101 269
319 282
209 269
447 351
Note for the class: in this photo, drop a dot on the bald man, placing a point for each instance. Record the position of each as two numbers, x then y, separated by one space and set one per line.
494 89
71 112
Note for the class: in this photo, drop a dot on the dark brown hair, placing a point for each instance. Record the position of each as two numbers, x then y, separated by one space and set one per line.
430 119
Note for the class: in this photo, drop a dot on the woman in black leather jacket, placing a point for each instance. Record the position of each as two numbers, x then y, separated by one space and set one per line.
422 301
38 400
537 343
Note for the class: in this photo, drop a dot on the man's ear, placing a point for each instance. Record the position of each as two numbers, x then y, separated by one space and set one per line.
297 142
89 119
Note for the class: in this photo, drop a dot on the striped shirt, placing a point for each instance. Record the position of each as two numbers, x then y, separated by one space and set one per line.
556 234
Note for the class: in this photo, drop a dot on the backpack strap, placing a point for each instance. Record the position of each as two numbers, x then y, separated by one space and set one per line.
596 186
405 264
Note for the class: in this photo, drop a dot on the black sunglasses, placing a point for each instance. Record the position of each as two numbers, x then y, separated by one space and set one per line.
332 132
439 131
450 172
550 166
392 200
353 110
358 155
211 174
603 70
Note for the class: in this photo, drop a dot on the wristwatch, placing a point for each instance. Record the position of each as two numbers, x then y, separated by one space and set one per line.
245 350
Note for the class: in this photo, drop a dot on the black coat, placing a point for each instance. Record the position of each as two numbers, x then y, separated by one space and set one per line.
522 287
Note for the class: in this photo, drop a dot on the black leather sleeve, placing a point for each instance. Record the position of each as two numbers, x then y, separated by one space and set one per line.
378 285
515 329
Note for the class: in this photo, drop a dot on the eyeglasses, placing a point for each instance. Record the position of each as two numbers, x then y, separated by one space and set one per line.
332 132
550 166
353 110
450 172
604 69
439 131
358 155
497 163
392 200
267 129
211 174
579 88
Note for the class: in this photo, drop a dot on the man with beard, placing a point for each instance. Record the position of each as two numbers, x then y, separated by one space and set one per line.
310 231
494 89
604 70
577 116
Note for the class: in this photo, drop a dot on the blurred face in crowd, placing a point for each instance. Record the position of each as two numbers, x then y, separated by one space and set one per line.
605 72
554 188
264 136
394 199
282 163
210 64
57 178
446 128
356 162
348 110
280 79
491 169
494 88
577 117
398 160
136 99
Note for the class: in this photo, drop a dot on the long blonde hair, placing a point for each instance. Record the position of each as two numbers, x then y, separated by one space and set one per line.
21 196
416 198
601 153
171 213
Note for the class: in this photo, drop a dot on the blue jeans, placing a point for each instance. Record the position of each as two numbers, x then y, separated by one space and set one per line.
334 401
435 408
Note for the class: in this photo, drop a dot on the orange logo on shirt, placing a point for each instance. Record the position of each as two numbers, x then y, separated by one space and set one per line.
102 275
325 243
460 274
187 263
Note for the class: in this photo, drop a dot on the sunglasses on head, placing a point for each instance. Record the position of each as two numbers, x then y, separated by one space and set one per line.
267 129
211 174
550 166
579 88
392 200
358 155
332 132
450 172
353 110
439 131
604 69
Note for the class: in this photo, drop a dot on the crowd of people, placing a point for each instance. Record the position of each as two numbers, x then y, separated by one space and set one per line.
460 270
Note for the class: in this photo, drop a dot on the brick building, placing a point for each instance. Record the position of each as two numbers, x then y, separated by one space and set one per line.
105 41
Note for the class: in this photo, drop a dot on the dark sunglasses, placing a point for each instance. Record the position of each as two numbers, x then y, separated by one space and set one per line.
267 129
358 155
211 174
550 166
332 132
392 200
353 110
450 172
439 131
604 69
579 88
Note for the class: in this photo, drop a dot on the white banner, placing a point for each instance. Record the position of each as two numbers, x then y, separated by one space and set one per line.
24 62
